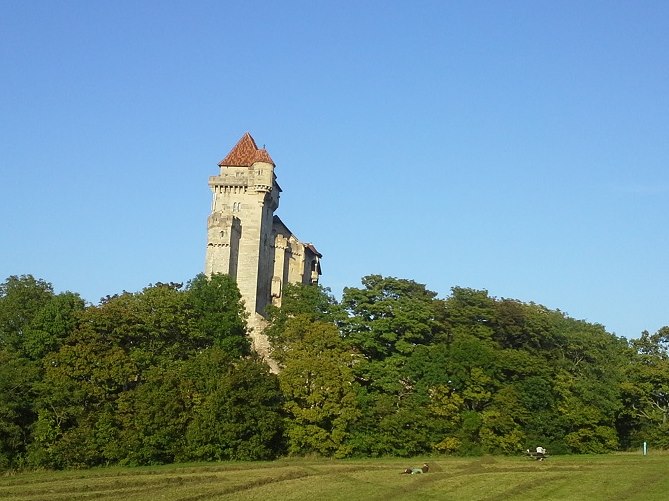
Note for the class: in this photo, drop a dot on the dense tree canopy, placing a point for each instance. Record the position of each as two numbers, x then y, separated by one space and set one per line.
157 376
646 388
167 374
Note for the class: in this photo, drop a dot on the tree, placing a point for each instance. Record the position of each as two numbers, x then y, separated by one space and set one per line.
154 324
313 301
116 390
587 367
389 316
51 325
518 325
21 298
17 380
320 394
646 387
77 401
310 303
237 415
470 311
220 313
33 323
390 321
152 417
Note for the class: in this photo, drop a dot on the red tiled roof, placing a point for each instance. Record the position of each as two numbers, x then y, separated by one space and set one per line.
245 154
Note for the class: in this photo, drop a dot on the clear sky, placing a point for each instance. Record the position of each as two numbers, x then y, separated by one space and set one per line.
517 146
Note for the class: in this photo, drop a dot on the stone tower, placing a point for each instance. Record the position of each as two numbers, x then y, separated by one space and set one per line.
247 241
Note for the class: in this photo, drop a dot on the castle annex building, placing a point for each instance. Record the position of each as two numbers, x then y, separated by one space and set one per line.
247 241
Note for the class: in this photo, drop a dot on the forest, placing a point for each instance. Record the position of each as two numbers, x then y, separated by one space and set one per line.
168 375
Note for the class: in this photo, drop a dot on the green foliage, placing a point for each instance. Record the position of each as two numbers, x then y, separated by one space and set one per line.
153 325
142 378
219 312
81 384
389 316
153 417
33 323
522 326
21 298
470 312
318 387
645 390
238 411
314 301
311 304
17 380
51 325
392 323
167 374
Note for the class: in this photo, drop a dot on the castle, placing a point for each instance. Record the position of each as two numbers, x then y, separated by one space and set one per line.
247 241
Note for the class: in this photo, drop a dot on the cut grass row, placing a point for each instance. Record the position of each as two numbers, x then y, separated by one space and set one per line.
611 477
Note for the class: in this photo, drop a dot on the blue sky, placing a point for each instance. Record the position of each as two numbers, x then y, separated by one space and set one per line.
519 146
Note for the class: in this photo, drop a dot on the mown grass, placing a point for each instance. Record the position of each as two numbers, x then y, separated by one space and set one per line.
611 477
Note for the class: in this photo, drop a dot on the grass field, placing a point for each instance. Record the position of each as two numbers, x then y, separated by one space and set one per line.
611 477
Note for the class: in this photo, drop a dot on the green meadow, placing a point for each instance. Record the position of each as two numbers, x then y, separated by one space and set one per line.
606 477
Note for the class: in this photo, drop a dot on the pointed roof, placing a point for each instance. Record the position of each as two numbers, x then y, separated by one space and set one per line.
245 154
